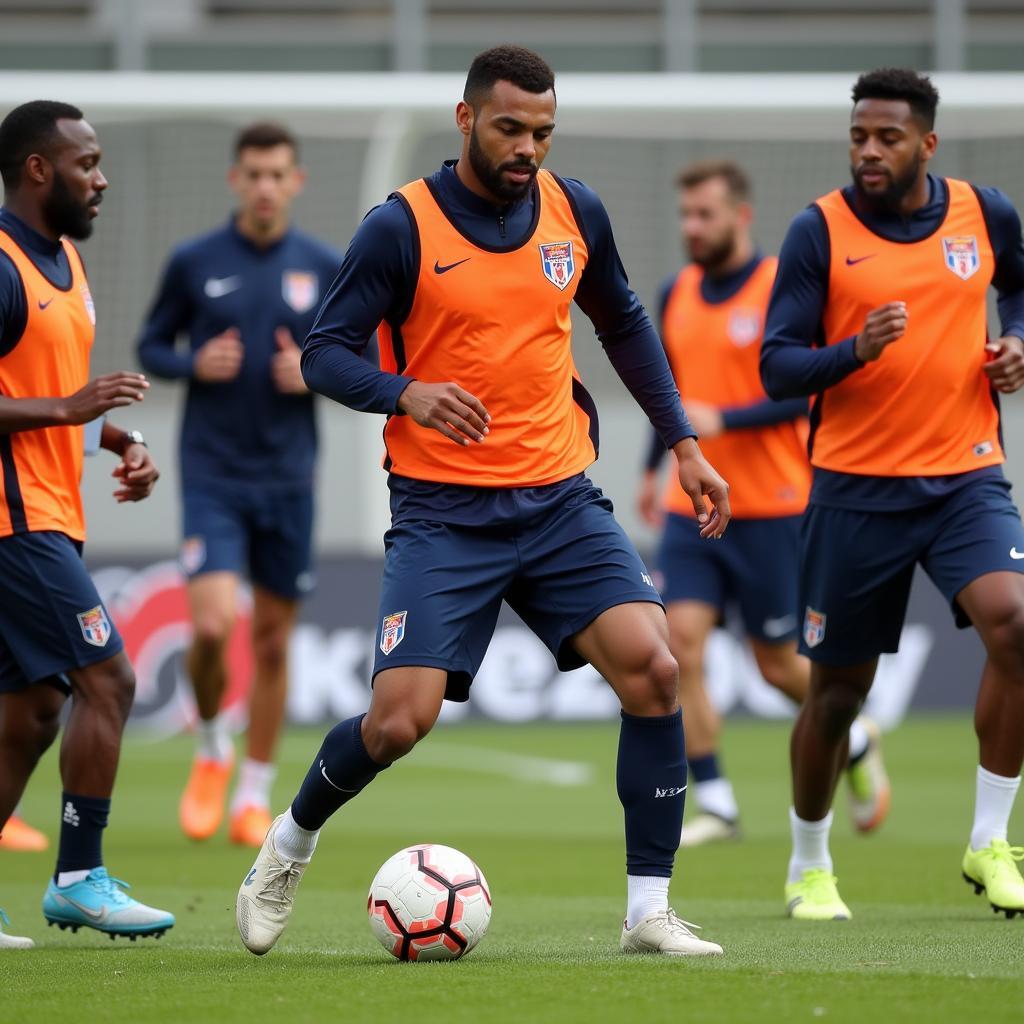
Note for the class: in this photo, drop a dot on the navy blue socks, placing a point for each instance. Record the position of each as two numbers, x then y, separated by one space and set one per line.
83 819
341 769
651 783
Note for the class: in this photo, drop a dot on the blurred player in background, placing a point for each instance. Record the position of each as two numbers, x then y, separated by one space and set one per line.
56 638
243 294
879 310
712 319
470 275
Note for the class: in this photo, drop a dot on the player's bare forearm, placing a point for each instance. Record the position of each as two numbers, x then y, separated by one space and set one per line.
112 439
17 414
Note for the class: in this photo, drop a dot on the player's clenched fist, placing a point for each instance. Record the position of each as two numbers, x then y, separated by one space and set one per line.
101 395
882 327
136 473
698 478
219 359
447 409
285 367
1006 368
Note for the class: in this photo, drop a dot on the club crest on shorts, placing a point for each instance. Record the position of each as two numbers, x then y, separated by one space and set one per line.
961 254
814 627
392 631
95 626
90 306
300 289
193 554
558 262
744 327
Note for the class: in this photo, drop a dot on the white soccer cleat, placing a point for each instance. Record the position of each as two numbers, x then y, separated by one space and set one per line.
267 896
667 934
709 828
12 941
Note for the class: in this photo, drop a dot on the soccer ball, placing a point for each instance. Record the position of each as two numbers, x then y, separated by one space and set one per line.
429 903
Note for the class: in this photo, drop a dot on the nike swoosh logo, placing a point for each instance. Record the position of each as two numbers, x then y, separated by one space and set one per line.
216 287
93 915
438 269
859 259
776 627
252 875
43 305
323 772
1014 553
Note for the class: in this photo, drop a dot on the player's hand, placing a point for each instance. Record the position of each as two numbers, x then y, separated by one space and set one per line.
647 504
698 478
219 359
705 419
882 327
1006 368
99 396
285 367
137 473
447 409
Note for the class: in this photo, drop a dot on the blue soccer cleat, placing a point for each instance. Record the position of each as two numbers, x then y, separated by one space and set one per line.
100 902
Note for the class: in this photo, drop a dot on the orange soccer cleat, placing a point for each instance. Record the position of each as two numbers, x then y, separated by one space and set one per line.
249 825
202 804
19 835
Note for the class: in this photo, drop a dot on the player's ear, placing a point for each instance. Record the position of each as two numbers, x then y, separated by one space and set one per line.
464 115
298 180
38 169
929 144
234 177
745 213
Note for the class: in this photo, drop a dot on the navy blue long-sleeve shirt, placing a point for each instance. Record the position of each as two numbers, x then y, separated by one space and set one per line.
715 289
243 430
795 362
377 281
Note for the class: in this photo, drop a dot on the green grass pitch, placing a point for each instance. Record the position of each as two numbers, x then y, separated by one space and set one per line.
921 947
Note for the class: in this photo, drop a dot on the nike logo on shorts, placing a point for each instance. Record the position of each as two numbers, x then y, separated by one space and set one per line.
438 269
216 287
1014 553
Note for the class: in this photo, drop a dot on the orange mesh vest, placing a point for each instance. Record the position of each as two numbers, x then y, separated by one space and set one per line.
497 324
925 407
714 350
42 469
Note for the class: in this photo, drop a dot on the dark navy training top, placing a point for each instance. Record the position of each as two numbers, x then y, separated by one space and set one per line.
243 430
793 364
377 282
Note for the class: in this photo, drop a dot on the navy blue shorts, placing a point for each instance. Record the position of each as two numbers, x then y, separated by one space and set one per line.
51 617
856 567
268 534
754 567
558 570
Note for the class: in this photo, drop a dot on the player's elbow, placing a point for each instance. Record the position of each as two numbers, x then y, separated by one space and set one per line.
777 382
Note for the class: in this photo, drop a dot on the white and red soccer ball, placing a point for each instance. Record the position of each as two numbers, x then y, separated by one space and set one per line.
429 902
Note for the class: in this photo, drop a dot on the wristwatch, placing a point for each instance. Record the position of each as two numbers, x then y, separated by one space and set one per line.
132 437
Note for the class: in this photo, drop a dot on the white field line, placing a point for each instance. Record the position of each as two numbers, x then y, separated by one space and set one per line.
484 760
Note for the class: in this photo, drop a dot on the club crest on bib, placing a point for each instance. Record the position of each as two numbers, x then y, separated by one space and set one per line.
961 254
90 306
558 262
392 631
814 627
300 289
744 327
95 626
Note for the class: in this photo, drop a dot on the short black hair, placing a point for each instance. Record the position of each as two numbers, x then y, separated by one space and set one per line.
30 128
737 181
900 84
523 68
265 135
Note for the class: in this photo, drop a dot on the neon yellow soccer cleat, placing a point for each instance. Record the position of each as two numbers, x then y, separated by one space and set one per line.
993 870
816 898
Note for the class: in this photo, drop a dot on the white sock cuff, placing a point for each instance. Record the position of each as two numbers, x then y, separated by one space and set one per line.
1002 781
810 826
293 841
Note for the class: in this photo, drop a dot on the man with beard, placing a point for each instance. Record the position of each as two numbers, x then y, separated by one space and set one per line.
879 311
712 317
56 638
470 274
242 294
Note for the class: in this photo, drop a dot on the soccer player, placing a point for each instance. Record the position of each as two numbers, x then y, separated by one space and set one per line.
470 274
879 311
712 318
56 638
242 294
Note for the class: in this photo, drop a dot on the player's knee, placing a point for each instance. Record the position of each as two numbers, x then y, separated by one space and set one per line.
211 631
109 686
689 654
778 671
270 647
1006 639
837 707
661 683
389 738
